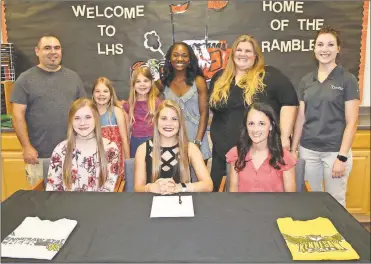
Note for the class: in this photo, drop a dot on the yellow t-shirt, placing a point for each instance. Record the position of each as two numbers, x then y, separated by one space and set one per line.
315 239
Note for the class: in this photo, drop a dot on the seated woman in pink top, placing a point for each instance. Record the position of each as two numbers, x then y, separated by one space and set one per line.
258 162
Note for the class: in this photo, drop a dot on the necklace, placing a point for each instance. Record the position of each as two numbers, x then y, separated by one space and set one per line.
87 137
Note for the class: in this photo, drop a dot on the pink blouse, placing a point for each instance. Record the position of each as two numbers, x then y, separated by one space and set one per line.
265 178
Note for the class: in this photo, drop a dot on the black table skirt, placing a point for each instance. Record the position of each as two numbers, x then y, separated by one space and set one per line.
227 227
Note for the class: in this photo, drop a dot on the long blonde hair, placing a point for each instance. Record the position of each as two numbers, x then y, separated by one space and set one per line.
71 143
251 82
182 141
113 101
152 95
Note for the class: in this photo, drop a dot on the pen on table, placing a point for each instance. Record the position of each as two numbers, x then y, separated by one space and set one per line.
180 199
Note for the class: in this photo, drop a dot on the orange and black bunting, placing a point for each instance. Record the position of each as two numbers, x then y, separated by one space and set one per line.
216 5
180 8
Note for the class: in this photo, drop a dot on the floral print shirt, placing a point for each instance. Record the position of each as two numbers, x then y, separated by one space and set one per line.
85 169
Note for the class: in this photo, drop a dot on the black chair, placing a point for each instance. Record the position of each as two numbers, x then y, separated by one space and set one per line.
129 175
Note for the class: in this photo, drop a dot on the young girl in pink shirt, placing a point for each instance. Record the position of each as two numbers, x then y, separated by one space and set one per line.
141 107
258 162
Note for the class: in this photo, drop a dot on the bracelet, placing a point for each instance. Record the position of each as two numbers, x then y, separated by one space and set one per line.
146 187
342 158
197 142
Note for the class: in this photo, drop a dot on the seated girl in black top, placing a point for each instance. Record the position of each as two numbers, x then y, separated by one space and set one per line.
162 164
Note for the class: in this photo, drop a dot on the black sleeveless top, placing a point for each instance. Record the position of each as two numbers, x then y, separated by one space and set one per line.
169 162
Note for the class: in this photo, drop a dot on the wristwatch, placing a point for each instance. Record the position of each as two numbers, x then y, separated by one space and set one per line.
197 142
184 187
342 158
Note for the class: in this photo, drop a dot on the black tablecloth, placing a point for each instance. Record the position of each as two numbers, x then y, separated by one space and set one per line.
227 227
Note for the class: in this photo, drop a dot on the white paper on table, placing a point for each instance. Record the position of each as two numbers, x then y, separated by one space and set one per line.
168 206
37 239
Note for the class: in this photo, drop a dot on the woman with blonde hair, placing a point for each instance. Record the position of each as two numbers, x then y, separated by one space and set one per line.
162 164
141 106
85 161
244 81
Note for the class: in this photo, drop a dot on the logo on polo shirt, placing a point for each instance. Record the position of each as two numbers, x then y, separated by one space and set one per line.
336 87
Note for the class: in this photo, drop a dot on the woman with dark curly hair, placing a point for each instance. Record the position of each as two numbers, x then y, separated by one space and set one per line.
258 162
184 83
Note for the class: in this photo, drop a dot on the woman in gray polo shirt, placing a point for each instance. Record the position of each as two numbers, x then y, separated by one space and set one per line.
327 119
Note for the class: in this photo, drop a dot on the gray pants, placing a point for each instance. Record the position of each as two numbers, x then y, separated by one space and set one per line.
318 169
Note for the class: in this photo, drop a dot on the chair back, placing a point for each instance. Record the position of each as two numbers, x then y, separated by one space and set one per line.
227 171
129 175
46 163
300 173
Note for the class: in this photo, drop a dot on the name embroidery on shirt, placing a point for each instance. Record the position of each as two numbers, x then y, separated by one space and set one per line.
333 87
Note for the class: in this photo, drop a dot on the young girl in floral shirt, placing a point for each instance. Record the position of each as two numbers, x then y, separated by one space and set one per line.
85 161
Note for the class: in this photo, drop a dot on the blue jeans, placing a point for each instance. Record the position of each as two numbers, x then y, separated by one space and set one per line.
135 142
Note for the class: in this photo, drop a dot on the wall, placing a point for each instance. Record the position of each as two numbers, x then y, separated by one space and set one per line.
4 38
366 79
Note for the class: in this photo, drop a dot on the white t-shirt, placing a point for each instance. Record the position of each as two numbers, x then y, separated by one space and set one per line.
37 239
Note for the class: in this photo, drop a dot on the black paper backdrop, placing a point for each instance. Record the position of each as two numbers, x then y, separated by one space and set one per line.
27 20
